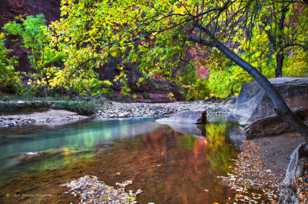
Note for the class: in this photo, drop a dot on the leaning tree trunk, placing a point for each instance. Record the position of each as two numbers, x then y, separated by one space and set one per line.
280 106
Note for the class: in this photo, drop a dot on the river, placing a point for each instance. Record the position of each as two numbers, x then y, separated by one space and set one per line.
169 166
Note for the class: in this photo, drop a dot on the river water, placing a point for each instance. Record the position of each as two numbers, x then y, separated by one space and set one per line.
168 165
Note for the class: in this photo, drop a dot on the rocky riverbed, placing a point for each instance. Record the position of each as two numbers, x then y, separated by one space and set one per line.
111 109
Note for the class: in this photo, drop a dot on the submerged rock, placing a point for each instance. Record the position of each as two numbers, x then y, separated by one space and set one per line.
187 128
190 117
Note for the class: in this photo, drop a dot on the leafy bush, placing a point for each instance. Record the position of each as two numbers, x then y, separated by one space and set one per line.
296 64
224 83
193 87
34 34
69 69
9 78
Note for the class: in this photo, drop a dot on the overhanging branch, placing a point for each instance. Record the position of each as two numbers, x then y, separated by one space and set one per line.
200 40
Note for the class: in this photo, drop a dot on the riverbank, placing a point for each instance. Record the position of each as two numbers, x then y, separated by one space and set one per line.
49 118
261 166
52 113
112 109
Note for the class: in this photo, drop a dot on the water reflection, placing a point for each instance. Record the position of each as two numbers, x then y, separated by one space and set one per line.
175 168
170 167
69 140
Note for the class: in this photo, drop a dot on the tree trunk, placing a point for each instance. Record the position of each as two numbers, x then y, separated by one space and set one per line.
280 40
279 104
279 64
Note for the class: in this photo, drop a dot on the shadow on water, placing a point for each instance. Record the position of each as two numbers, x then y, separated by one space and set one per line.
169 166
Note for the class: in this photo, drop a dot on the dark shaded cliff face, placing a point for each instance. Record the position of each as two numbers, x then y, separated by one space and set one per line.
11 8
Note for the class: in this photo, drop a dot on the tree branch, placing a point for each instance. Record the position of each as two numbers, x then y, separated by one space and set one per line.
196 39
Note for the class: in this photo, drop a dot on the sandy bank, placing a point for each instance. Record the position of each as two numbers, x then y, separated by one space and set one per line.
50 118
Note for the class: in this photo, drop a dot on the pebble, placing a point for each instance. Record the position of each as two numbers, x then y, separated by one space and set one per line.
251 181
91 190
157 110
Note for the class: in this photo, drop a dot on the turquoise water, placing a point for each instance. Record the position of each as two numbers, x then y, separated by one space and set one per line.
178 165
18 147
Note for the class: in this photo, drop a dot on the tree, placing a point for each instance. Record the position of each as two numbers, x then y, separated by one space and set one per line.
284 29
155 35
204 31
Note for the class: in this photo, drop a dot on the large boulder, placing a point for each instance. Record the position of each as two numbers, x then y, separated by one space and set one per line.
253 104
272 125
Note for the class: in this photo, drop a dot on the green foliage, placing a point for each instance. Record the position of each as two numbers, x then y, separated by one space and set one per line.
98 28
33 32
51 73
152 35
9 78
194 88
296 64
224 83
13 28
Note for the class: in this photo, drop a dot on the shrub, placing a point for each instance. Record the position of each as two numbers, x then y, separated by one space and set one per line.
9 78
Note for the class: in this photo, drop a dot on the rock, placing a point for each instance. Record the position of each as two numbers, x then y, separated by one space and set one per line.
253 104
221 113
190 117
187 128
272 125
237 136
